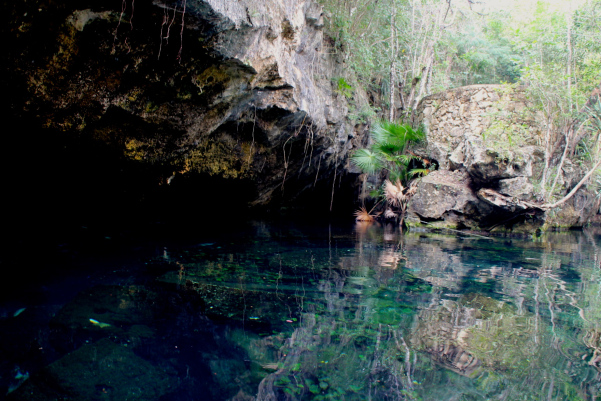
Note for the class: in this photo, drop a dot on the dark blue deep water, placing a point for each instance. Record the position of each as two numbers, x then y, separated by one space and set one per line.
285 312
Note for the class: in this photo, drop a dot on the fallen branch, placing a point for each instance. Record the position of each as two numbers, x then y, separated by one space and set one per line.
565 152
574 190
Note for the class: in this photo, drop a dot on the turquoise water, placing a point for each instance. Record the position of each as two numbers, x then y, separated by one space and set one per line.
283 312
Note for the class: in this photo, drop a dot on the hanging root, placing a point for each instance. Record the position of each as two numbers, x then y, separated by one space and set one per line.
308 142
131 24
131 18
317 173
252 144
181 35
123 7
168 23
334 182
287 160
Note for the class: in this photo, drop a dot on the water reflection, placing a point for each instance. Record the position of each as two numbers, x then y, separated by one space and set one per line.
331 315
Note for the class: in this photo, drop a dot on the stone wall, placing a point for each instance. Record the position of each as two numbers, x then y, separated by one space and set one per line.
496 113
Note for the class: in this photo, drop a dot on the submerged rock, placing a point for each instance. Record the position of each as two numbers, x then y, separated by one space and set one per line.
103 370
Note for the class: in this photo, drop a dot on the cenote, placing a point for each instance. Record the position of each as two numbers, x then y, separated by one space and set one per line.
300 200
274 311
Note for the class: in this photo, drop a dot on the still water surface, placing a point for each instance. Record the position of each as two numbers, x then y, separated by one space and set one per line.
276 312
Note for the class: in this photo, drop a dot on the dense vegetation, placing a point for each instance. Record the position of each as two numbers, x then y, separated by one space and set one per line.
402 50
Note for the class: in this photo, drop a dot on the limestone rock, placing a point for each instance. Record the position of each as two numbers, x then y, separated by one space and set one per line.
490 132
518 187
245 80
483 136
576 212
98 371
444 195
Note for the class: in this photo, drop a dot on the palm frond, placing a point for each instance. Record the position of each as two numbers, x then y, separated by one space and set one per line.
367 161
363 215
594 114
377 193
397 174
380 133
406 159
422 172
394 138
387 148
394 192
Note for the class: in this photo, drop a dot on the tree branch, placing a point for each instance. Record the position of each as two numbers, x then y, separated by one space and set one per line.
574 190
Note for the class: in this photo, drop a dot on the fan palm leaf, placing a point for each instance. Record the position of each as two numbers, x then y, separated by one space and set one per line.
368 161
393 138
406 159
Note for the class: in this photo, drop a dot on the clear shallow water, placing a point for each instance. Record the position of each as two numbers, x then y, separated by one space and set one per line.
321 313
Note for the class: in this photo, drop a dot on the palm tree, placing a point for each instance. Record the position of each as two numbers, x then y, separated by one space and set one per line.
388 154
390 141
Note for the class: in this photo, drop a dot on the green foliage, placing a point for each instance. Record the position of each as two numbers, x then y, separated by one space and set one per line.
419 172
368 161
481 43
390 141
364 115
594 117
344 88
480 55
393 138
552 48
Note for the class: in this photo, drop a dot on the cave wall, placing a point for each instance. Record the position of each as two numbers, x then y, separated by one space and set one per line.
203 103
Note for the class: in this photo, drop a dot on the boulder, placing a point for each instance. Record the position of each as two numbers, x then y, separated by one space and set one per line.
445 199
518 187
487 165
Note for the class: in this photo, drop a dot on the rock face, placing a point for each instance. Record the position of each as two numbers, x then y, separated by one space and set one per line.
489 133
177 95
444 199
462 123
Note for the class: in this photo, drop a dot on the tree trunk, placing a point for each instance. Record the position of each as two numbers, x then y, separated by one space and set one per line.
392 66
563 158
424 80
447 73
414 83
569 69
401 98
548 155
